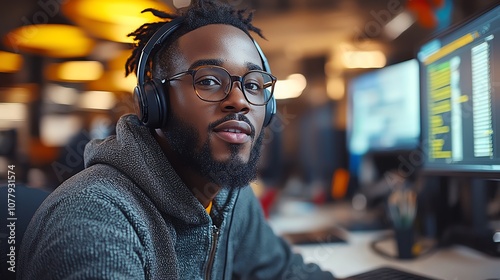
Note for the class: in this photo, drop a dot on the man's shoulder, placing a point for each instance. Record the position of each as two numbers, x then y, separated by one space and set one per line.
99 177
98 196
96 184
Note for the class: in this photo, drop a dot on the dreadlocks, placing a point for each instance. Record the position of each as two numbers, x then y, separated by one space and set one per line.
198 14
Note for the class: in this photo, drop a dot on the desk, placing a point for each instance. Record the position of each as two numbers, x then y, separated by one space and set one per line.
356 256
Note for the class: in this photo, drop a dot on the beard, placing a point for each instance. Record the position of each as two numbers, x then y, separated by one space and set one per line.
231 173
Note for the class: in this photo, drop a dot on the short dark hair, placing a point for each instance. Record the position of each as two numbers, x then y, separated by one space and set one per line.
200 13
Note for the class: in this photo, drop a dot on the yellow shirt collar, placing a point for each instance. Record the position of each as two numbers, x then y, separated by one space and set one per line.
209 207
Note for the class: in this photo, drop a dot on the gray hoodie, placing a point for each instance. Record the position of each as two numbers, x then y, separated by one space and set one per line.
129 216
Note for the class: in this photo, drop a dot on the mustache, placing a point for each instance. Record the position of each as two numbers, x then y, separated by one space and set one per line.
233 117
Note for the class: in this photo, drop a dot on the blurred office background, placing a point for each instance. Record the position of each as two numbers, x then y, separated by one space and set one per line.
62 78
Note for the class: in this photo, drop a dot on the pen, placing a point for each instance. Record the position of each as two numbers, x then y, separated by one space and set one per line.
402 207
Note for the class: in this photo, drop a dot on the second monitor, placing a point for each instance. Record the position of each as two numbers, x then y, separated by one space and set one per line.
384 112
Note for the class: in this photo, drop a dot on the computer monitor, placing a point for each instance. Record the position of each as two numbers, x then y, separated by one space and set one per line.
383 125
460 76
384 110
460 82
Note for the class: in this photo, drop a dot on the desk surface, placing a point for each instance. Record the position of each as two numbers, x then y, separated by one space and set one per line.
356 256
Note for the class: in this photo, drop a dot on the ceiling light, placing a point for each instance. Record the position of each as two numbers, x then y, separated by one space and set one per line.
12 112
292 87
11 62
115 81
61 95
74 71
364 59
99 100
54 40
112 19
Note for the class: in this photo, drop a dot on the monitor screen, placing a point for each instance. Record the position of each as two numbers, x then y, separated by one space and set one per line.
384 109
460 82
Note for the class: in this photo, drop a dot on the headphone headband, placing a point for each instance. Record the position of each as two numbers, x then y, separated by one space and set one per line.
157 39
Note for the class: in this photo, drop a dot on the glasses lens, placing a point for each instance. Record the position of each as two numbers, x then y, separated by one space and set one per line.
211 83
214 83
258 87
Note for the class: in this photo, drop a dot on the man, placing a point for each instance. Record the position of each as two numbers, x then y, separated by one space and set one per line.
167 198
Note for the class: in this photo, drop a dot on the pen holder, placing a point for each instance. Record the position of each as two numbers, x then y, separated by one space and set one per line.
402 209
404 238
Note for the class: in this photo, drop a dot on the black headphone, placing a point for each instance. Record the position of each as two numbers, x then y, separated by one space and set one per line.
150 100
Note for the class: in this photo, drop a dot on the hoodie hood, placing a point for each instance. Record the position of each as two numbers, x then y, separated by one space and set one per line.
135 152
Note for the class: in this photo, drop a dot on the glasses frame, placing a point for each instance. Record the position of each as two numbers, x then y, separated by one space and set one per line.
233 78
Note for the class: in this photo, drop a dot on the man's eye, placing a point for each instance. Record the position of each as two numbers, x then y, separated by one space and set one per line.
208 81
252 86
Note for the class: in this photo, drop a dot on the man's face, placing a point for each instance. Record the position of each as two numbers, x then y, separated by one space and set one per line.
222 139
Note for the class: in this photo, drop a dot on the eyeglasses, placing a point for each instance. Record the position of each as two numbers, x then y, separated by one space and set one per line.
213 84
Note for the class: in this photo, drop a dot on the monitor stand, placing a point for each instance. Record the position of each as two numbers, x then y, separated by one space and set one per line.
474 230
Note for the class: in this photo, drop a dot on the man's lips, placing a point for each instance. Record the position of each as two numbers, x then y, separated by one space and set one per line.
234 132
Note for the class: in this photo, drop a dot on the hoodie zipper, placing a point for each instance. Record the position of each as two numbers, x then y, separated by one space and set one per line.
211 257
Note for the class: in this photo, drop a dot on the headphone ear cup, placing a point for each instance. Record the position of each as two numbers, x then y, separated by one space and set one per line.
154 104
270 109
139 107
